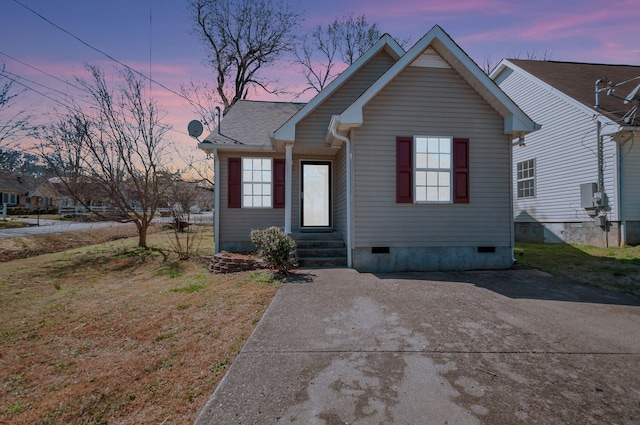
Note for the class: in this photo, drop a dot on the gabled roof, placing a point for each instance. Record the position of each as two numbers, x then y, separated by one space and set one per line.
516 122
288 130
12 182
250 122
578 80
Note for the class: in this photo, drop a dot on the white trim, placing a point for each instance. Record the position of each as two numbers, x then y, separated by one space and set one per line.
506 64
260 182
516 122
426 169
287 132
288 178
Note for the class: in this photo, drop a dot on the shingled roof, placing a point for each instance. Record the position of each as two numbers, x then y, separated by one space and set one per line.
577 80
249 122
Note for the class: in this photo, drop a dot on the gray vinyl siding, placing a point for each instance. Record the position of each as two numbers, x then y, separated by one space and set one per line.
632 180
430 101
236 223
312 130
565 154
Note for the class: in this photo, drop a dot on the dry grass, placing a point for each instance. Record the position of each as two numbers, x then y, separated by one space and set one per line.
615 268
114 334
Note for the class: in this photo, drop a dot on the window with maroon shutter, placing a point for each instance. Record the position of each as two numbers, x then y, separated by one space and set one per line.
234 186
461 171
279 177
404 170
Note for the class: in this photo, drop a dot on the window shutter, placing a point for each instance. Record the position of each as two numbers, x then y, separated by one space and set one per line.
234 183
460 171
404 170
279 176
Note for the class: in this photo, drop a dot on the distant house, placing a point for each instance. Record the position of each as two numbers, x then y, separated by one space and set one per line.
18 190
578 178
402 163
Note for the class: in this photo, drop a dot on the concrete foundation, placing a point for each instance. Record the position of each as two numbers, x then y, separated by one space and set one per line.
582 233
399 259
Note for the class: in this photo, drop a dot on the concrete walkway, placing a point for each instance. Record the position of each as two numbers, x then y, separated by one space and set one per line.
504 347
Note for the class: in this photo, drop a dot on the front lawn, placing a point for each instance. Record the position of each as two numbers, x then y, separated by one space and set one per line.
111 333
613 267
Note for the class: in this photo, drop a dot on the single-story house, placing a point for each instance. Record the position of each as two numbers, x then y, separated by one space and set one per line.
405 159
576 180
18 190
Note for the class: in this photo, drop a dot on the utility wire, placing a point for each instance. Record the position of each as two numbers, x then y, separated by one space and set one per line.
104 53
36 91
5 72
39 70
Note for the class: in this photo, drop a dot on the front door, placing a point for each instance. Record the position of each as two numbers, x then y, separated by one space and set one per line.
315 196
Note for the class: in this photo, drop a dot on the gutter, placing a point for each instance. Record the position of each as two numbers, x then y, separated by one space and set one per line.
335 120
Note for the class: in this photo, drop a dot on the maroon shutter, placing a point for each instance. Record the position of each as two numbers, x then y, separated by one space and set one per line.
235 183
460 171
404 170
279 176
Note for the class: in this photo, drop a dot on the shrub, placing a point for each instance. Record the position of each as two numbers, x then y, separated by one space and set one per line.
276 248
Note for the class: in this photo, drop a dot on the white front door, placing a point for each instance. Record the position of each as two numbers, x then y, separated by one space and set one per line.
315 197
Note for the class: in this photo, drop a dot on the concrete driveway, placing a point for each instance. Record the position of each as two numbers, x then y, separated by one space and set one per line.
494 347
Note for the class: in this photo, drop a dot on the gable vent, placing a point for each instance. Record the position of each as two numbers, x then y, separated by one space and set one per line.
430 59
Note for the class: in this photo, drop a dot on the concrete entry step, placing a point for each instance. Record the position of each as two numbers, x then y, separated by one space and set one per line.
320 249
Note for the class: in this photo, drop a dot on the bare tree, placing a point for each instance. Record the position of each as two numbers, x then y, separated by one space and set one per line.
348 36
12 123
112 153
323 42
243 37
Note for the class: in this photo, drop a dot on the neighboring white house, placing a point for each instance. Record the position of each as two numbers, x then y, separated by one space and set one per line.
404 159
577 180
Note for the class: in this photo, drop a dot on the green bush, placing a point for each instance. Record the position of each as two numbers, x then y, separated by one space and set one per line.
276 248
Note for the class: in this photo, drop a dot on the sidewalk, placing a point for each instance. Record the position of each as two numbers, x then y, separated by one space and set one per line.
500 347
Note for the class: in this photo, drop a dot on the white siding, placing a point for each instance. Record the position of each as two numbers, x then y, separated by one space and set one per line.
431 101
565 154
632 179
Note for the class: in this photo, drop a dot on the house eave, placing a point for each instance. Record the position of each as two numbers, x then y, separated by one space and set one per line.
211 148
516 122
287 133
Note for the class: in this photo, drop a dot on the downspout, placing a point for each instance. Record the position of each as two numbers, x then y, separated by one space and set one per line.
347 142
216 202
621 212
511 208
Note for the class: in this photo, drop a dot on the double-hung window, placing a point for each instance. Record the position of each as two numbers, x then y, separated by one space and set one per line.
256 182
526 178
433 169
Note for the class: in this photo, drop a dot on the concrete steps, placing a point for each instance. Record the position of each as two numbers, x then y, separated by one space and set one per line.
317 249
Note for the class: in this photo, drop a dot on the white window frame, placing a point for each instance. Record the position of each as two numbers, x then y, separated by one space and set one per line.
257 182
10 199
526 174
433 169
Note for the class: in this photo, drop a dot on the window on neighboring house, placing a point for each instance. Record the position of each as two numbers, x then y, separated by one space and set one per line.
9 199
526 178
433 170
256 182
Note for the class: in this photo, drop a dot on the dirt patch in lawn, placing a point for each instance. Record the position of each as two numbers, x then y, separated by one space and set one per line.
112 333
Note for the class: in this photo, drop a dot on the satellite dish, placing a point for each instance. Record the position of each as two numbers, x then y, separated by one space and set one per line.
195 128
632 95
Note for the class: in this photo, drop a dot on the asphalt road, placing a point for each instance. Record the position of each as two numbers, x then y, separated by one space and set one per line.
55 226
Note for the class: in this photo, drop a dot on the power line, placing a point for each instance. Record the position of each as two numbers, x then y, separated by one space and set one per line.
41 71
37 91
105 54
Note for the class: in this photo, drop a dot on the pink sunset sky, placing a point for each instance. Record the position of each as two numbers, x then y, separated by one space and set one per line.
155 36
